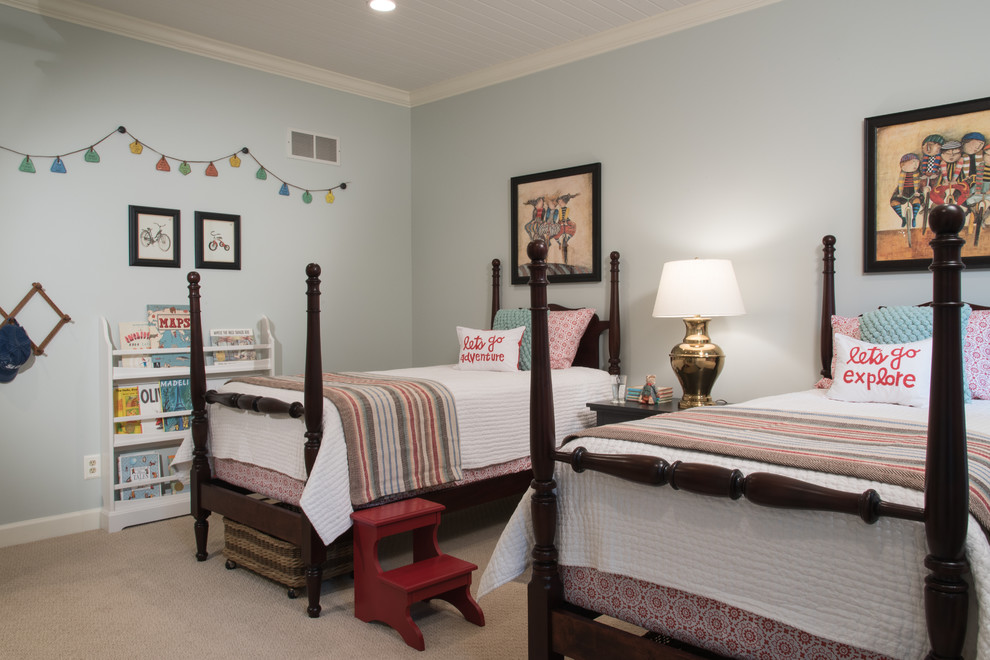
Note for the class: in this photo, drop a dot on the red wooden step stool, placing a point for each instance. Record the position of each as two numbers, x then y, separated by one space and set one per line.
386 595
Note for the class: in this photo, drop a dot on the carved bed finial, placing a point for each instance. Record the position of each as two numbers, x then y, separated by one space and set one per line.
947 218
537 250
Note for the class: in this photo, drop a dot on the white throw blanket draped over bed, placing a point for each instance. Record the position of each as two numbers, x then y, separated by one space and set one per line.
829 574
492 417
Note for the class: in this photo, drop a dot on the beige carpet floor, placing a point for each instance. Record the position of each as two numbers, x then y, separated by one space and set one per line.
140 593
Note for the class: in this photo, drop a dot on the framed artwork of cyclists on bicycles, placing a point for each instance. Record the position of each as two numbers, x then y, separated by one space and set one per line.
916 160
218 240
154 236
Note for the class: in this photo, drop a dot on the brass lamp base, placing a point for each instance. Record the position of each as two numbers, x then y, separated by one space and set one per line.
697 362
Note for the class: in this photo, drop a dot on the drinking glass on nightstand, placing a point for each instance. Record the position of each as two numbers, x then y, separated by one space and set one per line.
618 388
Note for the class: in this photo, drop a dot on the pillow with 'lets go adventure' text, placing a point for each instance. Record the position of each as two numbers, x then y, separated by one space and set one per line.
489 350
882 373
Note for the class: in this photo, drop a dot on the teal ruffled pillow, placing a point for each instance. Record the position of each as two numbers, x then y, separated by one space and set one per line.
506 319
903 323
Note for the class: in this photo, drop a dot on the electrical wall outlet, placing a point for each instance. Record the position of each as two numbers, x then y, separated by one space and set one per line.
91 466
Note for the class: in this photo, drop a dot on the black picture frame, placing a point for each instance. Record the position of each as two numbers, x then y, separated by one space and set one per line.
572 199
218 240
898 200
154 236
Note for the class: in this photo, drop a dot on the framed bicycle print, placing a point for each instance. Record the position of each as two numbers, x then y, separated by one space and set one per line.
154 236
218 240
564 208
916 160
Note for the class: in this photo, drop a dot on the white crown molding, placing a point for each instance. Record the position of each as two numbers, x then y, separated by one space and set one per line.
187 42
669 22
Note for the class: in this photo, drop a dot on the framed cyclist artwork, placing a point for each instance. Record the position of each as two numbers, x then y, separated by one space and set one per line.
916 160
154 236
218 240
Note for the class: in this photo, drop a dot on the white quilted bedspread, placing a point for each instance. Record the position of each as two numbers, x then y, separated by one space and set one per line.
492 417
807 569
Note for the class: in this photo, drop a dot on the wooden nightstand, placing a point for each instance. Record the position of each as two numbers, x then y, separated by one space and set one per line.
613 413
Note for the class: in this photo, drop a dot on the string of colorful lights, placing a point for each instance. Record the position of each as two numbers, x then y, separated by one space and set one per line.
162 165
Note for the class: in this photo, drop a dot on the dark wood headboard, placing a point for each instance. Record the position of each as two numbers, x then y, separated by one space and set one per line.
589 351
828 303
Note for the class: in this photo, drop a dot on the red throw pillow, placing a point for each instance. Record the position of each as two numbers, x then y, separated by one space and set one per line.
566 327
841 325
976 353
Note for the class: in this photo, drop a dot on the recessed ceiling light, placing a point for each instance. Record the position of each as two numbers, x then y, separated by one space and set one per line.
382 5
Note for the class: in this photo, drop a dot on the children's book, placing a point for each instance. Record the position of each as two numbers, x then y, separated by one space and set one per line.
663 394
126 404
135 335
172 487
154 490
138 466
160 360
175 396
232 337
150 395
170 328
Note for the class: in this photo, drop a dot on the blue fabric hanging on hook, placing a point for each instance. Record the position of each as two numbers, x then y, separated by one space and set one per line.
15 349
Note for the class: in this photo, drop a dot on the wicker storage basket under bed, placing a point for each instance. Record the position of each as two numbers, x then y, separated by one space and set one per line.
280 560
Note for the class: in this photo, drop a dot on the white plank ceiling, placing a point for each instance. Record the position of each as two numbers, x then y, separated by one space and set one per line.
422 51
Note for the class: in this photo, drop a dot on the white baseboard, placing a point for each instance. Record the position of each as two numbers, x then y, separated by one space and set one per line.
50 527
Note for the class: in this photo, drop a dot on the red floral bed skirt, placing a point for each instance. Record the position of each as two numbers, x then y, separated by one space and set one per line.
288 490
698 621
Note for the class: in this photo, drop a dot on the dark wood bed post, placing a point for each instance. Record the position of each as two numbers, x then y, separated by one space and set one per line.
496 286
200 471
545 589
946 468
314 551
828 302
614 333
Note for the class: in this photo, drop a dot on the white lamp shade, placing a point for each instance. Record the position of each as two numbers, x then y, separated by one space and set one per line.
698 287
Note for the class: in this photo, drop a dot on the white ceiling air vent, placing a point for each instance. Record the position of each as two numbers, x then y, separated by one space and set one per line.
309 146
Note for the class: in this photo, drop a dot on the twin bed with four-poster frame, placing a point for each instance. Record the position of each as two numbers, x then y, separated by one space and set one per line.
296 470
767 547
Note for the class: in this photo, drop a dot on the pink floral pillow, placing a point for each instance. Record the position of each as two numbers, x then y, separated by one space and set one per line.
976 353
841 325
566 327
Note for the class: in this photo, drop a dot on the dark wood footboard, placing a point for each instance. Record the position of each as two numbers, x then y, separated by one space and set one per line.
557 629
211 495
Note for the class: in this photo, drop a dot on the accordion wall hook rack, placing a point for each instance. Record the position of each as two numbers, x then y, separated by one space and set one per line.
36 288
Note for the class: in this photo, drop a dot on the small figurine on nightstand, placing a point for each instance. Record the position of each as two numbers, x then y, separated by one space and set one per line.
649 392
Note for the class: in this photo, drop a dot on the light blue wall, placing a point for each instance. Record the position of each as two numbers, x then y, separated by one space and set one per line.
64 86
740 139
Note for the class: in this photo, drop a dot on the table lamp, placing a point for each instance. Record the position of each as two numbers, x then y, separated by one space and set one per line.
696 290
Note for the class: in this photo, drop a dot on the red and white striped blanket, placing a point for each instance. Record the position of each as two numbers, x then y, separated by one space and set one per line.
401 433
881 450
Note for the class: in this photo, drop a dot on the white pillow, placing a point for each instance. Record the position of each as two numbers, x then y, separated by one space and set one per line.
489 350
882 373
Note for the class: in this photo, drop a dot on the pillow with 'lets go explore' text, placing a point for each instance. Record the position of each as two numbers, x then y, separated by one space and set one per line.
882 373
